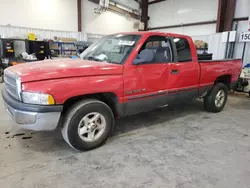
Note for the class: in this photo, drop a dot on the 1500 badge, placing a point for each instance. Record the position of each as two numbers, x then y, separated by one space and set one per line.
136 91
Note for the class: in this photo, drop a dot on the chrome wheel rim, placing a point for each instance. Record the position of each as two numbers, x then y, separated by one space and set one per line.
91 127
220 98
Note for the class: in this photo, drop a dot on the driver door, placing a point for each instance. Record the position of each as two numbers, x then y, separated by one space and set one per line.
145 83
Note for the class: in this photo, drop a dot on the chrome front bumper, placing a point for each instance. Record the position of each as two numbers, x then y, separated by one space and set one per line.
32 117
34 120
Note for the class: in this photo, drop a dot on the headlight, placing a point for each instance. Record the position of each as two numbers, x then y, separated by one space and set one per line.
37 98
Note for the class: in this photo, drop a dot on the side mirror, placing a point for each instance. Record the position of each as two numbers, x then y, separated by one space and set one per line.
145 56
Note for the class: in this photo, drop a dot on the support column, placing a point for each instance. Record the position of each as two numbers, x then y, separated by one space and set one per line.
144 14
79 15
225 15
249 15
231 4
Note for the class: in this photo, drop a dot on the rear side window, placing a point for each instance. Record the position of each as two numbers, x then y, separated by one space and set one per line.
183 49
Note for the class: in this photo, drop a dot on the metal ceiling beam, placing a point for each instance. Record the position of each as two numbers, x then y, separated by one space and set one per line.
155 1
241 19
183 25
95 1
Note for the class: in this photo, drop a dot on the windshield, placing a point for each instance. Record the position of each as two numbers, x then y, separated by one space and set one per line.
111 48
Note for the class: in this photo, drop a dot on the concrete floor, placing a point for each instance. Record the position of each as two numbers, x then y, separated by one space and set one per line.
179 148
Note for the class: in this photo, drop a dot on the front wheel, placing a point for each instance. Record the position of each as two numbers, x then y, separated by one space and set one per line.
217 98
88 124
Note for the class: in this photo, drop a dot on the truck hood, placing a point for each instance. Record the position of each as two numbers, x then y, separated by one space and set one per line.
54 69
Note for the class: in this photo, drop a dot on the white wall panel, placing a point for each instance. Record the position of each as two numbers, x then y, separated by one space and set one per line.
200 29
242 27
93 37
104 23
217 47
242 8
43 14
215 44
22 33
173 12
192 30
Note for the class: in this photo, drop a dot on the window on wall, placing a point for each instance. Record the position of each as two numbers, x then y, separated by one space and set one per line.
161 48
183 49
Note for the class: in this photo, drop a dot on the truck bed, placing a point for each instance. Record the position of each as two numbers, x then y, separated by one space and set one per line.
210 70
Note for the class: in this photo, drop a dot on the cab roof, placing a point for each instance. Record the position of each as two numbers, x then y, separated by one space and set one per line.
154 33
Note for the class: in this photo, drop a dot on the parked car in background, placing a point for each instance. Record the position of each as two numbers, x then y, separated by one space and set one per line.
120 75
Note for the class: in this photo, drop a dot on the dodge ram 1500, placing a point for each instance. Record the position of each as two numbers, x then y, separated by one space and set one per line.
120 75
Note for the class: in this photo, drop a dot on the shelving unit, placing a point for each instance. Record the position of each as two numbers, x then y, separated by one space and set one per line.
64 48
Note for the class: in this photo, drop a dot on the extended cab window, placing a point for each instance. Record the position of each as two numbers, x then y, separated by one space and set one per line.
183 49
161 48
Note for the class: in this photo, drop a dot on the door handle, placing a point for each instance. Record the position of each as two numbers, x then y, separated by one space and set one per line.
174 71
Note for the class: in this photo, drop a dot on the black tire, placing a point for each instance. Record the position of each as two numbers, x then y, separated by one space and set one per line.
75 115
1 76
210 99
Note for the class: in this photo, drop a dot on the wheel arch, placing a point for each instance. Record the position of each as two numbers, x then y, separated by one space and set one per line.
109 98
225 79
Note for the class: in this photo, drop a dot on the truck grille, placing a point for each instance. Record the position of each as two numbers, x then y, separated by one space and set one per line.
12 84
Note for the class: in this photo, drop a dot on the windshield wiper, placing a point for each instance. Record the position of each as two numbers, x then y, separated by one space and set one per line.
113 62
93 58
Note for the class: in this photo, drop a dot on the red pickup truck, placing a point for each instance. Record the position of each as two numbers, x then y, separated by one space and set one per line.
121 74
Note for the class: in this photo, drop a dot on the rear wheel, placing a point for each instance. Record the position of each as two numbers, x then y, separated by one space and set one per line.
217 98
88 124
